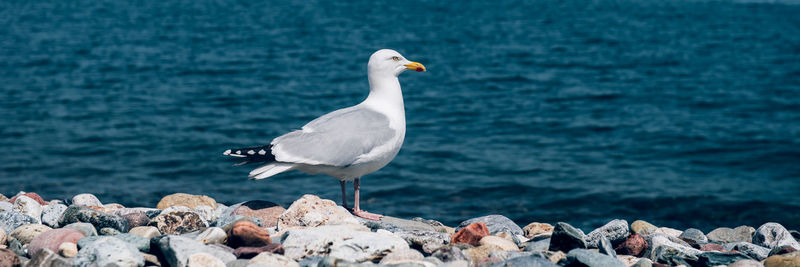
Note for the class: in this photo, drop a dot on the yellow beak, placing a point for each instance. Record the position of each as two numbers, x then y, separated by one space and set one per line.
415 66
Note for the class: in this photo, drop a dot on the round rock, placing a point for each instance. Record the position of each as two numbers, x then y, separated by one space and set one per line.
107 251
87 200
178 222
26 233
28 206
187 200
53 239
51 213
495 223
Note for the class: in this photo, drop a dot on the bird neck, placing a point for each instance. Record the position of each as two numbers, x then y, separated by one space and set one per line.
385 95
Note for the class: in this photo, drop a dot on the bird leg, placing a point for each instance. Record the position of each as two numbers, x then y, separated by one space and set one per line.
344 195
358 211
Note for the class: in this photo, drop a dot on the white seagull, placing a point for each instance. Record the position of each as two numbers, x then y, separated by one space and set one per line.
347 143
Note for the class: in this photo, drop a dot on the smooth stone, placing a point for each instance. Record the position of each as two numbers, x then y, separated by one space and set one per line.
32 195
266 211
52 239
247 234
627 260
538 245
141 243
500 242
535 228
402 255
565 238
323 212
579 257
449 253
8 258
68 250
51 213
26 233
727 235
606 248
28 206
250 252
178 222
145 231
669 232
471 234
773 235
616 231
349 242
481 253
643 228
495 224
715 258
396 225
227 221
86 228
203 259
245 262
109 231
271 259
46 257
784 260
746 263
86 200
97 218
694 237
10 220
752 250
428 241
109 250
212 235
177 249
643 263
525 261
187 200
136 219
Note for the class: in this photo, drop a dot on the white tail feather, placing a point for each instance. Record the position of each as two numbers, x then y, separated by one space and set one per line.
270 170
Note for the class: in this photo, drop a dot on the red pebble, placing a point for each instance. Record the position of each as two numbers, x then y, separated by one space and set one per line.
634 245
713 247
34 196
471 234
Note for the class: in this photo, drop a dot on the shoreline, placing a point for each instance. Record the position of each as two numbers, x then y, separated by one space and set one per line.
195 230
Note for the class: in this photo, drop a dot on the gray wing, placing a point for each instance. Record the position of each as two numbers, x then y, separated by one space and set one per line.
335 139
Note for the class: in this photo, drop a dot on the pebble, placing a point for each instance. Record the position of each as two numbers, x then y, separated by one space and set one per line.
187 200
26 233
537 245
247 234
585 257
203 259
348 242
535 228
270 259
401 256
565 238
616 231
713 247
664 250
52 239
107 251
46 257
51 213
746 263
643 228
136 219
449 253
754 251
178 249
178 222
10 220
773 235
86 200
727 235
140 243
97 218
206 213
267 211
86 228
32 195
9 258
428 241
326 211
500 242
525 261
227 221
68 250
212 235
481 254
109 231
784 260
28 206
471 234
694 237
495 224
250 252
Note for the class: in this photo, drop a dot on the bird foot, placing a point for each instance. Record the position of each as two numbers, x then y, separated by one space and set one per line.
366 215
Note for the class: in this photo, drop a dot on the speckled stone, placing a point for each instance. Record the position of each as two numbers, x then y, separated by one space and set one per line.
26 233
178 222
10 220
97 218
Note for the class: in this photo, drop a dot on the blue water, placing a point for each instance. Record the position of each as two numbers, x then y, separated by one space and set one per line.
682 113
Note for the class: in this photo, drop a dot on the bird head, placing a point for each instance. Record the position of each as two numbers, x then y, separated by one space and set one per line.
387 61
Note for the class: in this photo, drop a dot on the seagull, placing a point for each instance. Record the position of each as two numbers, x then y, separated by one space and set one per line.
347 143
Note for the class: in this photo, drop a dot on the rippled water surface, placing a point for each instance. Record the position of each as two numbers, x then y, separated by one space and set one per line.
682 113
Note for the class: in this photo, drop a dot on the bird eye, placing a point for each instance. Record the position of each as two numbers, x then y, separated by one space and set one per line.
396 58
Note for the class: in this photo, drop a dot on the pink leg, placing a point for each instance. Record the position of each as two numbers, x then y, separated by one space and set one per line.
344 195
357 210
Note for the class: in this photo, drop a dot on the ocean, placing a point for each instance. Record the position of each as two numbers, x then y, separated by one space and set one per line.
680 113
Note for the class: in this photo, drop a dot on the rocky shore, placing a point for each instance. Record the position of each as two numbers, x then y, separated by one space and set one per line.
193 230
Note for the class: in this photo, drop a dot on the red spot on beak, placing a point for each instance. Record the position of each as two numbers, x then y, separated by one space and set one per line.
420 69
